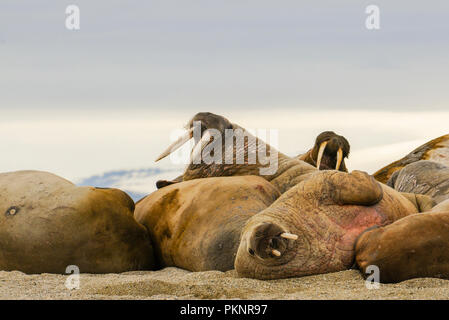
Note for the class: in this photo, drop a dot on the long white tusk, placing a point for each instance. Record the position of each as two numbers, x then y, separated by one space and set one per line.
290 236
276 252
320 154
196 153
177 144
339 158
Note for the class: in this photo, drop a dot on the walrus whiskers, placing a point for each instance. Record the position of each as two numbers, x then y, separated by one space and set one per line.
290 236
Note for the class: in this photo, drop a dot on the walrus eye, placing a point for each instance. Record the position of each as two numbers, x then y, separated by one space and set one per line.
12 211
251 251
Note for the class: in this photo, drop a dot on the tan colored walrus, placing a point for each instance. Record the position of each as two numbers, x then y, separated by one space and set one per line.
47 223
196 224
412 247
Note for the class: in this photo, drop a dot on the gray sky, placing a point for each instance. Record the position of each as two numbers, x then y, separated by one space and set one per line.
109 95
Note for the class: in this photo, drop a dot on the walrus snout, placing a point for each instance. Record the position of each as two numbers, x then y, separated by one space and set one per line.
269 241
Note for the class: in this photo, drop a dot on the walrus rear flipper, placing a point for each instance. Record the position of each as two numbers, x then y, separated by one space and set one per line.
163 183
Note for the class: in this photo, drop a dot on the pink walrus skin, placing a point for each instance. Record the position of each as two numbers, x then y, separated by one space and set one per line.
312 228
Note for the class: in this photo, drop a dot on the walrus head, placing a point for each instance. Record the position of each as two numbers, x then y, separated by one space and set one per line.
208 121
329 151
249 155
312 228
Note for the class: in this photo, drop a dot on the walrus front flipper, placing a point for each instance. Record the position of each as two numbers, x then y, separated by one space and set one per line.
436 150
356 188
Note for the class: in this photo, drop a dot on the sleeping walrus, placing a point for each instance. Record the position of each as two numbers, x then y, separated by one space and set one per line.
412 247
47 223
196 224
417 245
322 217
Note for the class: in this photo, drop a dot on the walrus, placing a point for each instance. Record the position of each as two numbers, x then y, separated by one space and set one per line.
196 224
329 152
414 246
423 177
47 223
312 227
435 150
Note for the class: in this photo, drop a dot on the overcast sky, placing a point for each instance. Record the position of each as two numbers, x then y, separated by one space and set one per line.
108 95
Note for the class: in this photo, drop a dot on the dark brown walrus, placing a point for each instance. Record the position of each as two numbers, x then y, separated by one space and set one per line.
196 224
329 152
47 223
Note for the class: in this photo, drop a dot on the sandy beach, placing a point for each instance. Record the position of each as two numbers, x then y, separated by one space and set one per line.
174 283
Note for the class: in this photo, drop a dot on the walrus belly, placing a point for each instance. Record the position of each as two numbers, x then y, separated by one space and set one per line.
196 224
47 223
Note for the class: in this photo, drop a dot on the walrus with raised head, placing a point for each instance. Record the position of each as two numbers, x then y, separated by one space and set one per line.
47 223
329 152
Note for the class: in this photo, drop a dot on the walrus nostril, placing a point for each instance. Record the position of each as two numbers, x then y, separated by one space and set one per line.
12 211
269 241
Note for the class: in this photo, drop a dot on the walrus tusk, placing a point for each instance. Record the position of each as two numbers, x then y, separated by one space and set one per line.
339 158
200 145
276 252
177 144
320 154
290 236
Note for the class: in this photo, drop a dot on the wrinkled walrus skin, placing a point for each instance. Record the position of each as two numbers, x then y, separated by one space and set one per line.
47 223
327 212
413 247
423 177
196 224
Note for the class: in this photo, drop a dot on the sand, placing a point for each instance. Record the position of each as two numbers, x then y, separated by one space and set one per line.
174 283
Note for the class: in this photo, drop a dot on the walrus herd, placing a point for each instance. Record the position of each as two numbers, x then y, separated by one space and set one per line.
309 216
